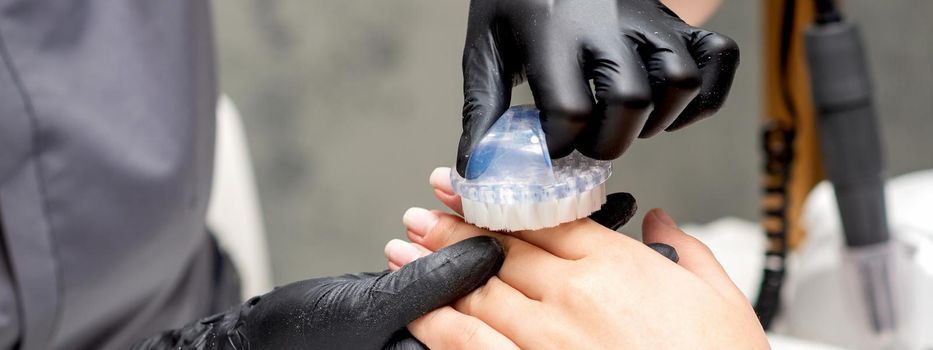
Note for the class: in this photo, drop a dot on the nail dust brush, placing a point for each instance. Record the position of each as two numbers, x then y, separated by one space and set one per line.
511 183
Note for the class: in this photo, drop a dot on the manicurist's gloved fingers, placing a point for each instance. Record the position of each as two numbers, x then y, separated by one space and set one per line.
558 46
717 57
446 328
404 340
440 278
562 94
694 256
364 311
617 211
667 251
427 282
496 295
487 81
675 80
623 98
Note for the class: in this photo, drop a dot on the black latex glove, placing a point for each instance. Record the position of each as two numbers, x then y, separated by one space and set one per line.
364 311
651 71
618 210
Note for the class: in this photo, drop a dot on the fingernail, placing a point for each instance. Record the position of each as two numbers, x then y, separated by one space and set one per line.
401 252
665 219
439 178
419 221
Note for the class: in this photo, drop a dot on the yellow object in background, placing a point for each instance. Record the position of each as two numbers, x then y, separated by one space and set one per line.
788 107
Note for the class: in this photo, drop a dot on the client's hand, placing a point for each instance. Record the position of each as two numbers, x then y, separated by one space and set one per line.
582 285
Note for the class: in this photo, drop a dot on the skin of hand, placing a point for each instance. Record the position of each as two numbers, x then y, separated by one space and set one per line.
581 285
650 71
694 12
359 311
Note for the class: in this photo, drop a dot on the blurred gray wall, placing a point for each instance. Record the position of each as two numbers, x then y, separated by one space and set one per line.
350 104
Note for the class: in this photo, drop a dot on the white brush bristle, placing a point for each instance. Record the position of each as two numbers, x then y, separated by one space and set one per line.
534 216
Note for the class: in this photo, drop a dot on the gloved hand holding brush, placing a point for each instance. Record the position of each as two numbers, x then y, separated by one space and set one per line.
651 71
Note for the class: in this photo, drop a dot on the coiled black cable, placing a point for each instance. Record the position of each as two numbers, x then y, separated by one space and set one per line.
778 142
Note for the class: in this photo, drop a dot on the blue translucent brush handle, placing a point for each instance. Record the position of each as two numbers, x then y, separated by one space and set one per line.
511 164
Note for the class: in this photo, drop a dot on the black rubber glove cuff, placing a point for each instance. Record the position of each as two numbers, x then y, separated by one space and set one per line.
362 311
216 332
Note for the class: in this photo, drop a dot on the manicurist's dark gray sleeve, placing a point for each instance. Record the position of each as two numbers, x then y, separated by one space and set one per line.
106 149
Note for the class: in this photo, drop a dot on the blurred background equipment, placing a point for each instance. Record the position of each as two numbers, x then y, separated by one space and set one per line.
818 303
851 153
841 118
838 132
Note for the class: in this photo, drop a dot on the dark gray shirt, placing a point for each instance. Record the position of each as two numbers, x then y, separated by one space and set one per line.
106 141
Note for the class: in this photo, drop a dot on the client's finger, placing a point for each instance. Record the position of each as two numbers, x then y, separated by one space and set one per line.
446 328
435 230
531 270
694 256
440 182
399 253
527 267
508 311
573 240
